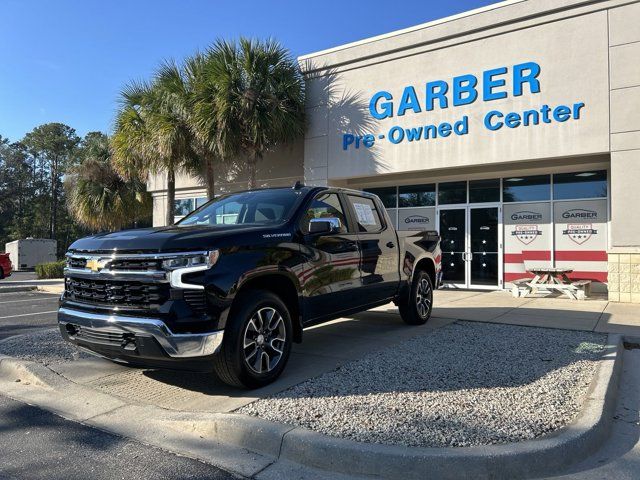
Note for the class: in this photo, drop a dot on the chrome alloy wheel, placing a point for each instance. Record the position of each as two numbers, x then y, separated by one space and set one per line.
423 298
264 340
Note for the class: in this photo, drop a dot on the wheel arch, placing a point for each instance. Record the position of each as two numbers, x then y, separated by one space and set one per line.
282 285
428 265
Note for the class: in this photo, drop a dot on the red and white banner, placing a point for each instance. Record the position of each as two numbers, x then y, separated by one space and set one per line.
527 238
581 238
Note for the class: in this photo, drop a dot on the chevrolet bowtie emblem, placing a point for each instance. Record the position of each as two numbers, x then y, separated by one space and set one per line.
95 264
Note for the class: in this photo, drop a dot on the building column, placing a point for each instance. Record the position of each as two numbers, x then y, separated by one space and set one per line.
624 69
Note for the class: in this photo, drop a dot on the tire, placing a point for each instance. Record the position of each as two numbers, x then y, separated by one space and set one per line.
1 273
416 308
262 318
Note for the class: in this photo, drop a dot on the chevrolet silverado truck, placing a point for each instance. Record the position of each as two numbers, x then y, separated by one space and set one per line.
231 286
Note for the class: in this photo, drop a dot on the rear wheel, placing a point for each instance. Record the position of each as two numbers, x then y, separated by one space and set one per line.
257 341
416 308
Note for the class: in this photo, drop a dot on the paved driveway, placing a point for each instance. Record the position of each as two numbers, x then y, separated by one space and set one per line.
324 348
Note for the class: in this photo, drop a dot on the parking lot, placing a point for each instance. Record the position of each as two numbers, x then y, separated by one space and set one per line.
336 374
25 312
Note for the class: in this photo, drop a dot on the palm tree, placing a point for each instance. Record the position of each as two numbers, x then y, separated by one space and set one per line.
200 85
152 133
256 100
97 196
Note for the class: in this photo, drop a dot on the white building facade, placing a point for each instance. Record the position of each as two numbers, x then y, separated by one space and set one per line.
513 130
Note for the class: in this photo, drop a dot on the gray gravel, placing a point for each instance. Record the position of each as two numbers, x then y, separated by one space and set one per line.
46 347
461 385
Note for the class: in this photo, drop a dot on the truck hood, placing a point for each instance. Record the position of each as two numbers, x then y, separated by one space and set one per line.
163 239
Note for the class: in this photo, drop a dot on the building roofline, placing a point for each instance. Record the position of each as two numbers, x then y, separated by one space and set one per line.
432 23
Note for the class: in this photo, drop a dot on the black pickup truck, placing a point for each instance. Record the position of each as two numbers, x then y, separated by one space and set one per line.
232 285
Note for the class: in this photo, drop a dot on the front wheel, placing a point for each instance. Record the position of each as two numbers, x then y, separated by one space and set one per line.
257 341
416 308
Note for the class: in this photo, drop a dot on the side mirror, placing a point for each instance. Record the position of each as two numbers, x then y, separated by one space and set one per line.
324 226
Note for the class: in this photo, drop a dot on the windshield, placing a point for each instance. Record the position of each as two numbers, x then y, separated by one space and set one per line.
259 207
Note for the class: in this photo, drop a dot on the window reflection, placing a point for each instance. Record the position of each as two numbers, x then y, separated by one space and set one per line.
417 195
527 189
452 192
481 191
592 184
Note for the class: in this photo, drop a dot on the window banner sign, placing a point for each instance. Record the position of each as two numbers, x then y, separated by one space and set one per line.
581 238
421 218
527 238
393 213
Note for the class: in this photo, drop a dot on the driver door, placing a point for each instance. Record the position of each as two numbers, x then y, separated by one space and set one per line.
330 275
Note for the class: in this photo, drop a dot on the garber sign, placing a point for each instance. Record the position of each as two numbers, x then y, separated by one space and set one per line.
459 91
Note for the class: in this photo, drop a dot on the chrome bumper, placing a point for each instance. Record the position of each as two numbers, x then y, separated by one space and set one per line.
175 345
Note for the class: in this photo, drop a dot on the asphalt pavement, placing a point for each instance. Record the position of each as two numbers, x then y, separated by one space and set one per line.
25 312
36 444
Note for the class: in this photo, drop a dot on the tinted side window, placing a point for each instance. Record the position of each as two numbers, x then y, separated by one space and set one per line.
367 214
325 205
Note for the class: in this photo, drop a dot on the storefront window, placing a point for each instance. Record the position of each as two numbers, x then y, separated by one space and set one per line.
452 192
527 189
201 201
386 194
183 206
484 191
417 195
568 186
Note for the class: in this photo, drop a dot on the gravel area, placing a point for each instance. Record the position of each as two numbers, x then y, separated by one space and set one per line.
461 385
46 347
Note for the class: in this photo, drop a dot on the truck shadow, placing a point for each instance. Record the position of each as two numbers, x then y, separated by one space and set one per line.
435 347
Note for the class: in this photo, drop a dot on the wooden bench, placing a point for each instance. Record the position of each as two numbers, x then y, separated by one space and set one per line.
520 287
583 288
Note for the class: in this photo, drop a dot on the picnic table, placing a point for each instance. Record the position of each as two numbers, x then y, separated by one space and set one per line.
547 279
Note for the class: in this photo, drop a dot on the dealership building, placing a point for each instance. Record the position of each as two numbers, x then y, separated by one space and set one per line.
513 130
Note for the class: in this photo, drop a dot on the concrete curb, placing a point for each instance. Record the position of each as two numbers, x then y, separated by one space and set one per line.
25 288
221 438
526 459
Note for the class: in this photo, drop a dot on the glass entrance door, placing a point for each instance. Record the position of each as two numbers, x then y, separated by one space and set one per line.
483 239
453 233
471 246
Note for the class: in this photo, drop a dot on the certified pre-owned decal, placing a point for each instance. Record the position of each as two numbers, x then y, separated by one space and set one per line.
275 235
580 233
526 233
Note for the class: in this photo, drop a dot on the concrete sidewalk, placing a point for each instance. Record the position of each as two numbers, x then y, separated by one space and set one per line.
593 314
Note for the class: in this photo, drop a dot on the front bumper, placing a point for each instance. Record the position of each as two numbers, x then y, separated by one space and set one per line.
134 339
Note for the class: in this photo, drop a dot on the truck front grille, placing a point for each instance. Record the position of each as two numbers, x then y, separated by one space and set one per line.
119 264
116 293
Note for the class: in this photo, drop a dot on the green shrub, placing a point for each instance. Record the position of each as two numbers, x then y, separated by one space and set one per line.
50 270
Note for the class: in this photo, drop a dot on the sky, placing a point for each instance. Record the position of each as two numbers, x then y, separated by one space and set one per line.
66 61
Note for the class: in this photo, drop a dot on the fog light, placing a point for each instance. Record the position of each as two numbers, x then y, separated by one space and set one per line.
129 342
72 330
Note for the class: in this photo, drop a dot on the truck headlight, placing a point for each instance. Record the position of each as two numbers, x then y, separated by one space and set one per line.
205 259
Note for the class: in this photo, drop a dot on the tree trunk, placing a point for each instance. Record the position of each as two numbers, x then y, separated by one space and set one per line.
253 163
210 177
171 196
53 220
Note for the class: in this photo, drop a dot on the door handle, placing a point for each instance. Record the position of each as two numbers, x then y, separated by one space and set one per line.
390 244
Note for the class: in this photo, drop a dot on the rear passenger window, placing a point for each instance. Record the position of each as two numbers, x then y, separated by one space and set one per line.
367 215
